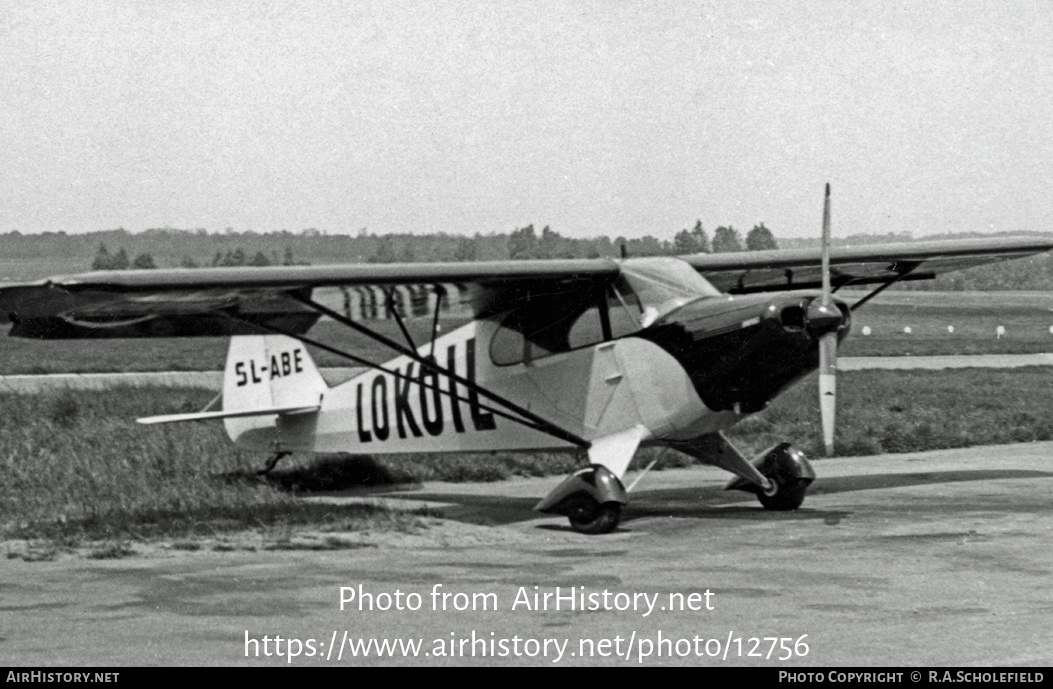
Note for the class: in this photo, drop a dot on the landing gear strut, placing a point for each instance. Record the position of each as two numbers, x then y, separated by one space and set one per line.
271 463
779 476
788 473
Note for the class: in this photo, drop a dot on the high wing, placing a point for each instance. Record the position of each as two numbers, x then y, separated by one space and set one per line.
107 301
101 299
770 271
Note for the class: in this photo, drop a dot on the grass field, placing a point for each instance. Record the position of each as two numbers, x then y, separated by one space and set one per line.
76 466
975 317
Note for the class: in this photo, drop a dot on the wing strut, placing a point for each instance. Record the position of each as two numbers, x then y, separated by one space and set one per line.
902 274
440 292
526 418
542 424
393 311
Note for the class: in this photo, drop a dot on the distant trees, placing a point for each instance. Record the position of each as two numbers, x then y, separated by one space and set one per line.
259 260
238 257
178 248
104 260
726 239
522 243
760 238
465 250
555 245
143 262
168 247
385 251
229 259
694 241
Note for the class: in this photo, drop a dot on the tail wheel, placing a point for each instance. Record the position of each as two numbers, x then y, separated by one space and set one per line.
590 517
787 496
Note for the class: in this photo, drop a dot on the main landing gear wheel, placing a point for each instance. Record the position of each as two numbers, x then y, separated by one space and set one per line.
790 475
590 517
787 496
591 498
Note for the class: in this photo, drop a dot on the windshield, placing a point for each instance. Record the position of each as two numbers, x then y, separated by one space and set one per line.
662 284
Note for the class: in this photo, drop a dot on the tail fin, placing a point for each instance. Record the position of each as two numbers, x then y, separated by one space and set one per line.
270 388
270 372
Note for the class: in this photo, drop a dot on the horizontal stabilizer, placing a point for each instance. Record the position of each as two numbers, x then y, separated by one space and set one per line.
206 415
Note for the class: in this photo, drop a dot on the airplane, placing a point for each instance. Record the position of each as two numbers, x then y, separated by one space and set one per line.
595 356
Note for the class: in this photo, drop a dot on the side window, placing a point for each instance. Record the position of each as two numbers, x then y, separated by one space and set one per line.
587 329
542 327
508 345
545 325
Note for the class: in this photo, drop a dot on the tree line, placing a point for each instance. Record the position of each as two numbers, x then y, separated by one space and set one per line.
526 243
178 248
231 258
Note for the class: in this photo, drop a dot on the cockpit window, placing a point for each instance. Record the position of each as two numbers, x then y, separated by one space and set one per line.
547 324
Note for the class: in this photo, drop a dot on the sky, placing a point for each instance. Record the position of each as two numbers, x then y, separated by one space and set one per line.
592 117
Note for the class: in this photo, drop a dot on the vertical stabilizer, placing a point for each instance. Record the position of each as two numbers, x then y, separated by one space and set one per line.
267 372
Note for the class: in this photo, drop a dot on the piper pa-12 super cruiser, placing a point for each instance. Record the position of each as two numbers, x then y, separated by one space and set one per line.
599 356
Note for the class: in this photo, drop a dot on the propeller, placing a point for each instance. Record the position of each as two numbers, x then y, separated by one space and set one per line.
828 341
